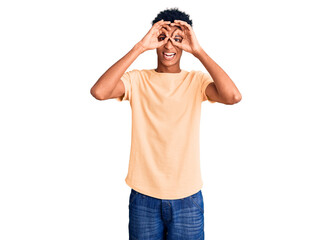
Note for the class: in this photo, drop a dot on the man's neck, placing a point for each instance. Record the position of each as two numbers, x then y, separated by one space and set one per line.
165 69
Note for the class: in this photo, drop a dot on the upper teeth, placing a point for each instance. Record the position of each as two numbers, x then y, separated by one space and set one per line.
169 54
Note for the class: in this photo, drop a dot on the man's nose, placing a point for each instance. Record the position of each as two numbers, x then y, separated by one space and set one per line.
168 44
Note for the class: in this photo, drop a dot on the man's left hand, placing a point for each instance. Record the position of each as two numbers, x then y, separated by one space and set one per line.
189 42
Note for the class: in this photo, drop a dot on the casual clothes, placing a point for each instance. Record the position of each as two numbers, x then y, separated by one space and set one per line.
165 157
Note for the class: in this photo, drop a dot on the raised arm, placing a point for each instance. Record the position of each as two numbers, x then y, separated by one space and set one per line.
223 89
109 84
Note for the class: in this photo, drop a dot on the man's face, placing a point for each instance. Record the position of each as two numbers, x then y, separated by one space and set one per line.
168 54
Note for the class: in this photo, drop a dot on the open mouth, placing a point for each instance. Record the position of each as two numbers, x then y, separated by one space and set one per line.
169 56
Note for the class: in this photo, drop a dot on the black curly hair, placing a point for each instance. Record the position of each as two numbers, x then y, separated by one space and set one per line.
171 15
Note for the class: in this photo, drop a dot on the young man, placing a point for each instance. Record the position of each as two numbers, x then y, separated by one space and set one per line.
164 168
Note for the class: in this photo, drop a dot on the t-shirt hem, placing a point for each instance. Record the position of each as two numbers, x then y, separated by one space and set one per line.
164 196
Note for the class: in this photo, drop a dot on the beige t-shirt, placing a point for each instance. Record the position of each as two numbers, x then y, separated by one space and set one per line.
165 157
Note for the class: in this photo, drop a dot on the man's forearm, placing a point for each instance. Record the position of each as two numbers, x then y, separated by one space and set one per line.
224 85
106 83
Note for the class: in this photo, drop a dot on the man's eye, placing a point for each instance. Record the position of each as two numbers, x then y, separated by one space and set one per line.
161 37
178 39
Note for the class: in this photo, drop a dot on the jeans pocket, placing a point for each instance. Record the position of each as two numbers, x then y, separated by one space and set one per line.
197 201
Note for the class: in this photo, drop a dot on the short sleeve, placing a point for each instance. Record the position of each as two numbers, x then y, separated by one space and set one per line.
205 80
127 79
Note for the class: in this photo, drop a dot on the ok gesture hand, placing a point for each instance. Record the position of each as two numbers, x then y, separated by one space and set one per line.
189 42
150 40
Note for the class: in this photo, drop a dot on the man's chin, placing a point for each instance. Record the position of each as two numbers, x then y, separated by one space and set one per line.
169 63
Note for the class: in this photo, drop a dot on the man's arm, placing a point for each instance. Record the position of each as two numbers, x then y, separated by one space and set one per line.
223 89
106 85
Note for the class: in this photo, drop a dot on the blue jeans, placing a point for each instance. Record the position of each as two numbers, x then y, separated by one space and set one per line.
157 219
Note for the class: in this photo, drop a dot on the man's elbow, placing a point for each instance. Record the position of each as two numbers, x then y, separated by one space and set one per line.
236 99
96 95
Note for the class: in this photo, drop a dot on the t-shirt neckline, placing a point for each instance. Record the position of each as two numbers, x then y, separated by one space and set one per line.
159 73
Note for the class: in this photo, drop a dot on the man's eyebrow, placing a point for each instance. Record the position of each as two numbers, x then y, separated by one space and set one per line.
178 36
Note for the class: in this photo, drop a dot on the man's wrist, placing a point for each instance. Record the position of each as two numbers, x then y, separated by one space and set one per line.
199 52
139 47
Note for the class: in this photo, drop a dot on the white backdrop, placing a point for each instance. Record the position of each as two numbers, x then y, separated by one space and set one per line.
266 161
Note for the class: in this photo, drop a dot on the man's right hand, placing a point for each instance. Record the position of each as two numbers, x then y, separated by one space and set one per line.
151 39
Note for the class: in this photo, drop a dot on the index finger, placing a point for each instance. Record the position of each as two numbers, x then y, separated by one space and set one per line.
178 33
161 22
167 25
183 23
177 25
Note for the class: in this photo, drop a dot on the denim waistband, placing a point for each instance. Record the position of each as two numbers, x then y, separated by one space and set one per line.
136 192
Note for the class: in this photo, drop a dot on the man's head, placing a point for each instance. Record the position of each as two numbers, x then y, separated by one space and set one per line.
169 48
